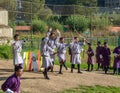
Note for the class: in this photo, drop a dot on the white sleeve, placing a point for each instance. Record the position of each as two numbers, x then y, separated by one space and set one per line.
9 91
115 54
101 56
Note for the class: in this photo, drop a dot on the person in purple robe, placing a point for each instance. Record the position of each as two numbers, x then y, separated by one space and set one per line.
116 65
106 57
12 84
90 60
98 55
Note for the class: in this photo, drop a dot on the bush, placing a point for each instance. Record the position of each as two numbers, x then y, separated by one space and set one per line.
39 26
55 25
21 23
6 52
81 23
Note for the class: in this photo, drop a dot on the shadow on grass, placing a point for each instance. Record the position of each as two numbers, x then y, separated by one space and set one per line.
7 70
3 78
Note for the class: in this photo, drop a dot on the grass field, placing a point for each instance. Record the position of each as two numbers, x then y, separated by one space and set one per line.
93 89
90 89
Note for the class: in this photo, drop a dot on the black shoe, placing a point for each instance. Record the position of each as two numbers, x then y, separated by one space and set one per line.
60 73
52 70
87 70
47 78
44 74
66 68
80 72
71 71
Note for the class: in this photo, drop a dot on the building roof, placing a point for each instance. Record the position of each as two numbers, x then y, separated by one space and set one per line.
21 28
114 29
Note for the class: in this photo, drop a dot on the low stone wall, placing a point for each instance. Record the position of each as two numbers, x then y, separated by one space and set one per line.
6 32
3 17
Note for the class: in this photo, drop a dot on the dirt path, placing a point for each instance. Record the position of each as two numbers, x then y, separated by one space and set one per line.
35 83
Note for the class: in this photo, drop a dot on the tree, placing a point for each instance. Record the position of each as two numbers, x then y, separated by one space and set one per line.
9 5
79 23
39 26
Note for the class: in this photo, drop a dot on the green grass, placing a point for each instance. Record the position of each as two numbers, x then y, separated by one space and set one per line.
93 89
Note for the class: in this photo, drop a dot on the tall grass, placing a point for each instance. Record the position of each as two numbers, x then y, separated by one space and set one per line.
6 52
93 89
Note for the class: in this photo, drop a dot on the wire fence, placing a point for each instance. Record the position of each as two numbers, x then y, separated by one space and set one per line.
24 10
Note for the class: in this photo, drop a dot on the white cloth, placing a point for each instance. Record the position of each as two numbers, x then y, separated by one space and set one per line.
76 49
62 51
61 57
17 48
115 54
47 62
9 91
45 53
101 56
76 59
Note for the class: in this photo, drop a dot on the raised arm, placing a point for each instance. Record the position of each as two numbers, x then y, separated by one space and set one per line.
58 36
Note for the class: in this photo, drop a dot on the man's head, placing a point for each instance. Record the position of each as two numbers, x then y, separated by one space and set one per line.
18 71
89 44
75 39
98 43
52 35
105 44
62 40
16 37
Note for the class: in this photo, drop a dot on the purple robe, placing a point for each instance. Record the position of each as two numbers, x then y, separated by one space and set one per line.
12 83
90 53
117 59
106 56
98 53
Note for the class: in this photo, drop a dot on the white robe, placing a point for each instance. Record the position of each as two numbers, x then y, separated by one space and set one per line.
17 48
45 53
52 43
76 49
62 51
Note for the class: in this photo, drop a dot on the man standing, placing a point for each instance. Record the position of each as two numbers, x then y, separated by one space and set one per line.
90 53
62 53
76 49
98 55
12 84
17 48
52 43
106 57
116 65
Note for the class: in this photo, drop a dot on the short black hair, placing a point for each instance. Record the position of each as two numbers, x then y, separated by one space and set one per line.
43 38
105 43
89 44
17 68
75 37
61 38
52 33
98 42
16 35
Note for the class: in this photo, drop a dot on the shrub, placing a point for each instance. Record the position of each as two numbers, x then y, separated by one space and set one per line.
21 23
55 25
39 26
6 52
80 23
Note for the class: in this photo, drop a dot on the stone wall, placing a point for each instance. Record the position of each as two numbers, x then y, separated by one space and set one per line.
3 17
6 32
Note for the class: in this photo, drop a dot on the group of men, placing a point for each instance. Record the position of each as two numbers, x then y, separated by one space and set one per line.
103 57
53 44
103 53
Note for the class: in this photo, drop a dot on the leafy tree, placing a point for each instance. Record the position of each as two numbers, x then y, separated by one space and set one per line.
79 23
55 25
9 5
39 26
